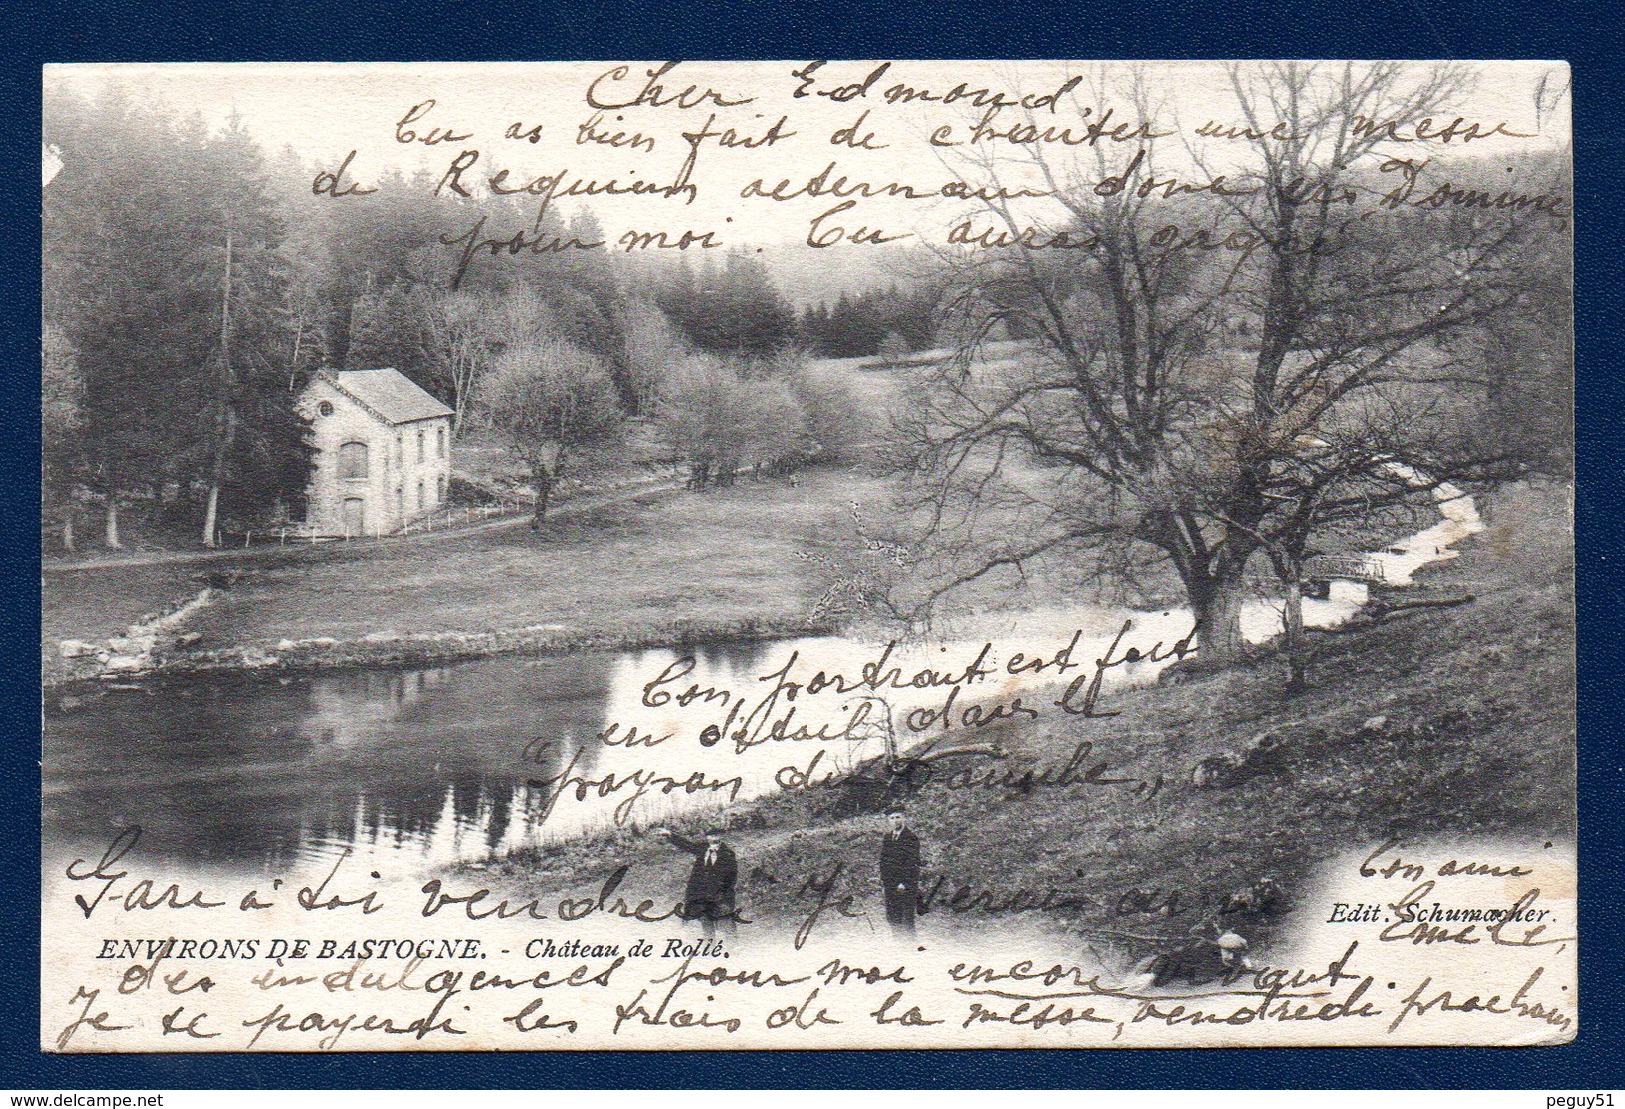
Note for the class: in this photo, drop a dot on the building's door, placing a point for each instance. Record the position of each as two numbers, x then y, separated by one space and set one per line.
355 516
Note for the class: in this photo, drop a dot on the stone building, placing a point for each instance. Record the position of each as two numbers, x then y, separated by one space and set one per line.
383 452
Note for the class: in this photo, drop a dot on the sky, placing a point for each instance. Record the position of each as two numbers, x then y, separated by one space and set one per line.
538 120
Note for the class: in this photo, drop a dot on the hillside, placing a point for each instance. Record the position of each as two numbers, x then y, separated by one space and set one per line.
1403 722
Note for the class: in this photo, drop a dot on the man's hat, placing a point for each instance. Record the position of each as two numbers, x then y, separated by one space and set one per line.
896 810
714 831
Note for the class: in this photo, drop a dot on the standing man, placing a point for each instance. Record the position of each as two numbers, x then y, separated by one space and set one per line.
709 896
900 872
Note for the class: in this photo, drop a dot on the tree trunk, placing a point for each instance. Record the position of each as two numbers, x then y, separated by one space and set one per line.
544 488
1288 565
459 394
218 475
1297 658
293 365
111 532
211 515
1218 622
226 415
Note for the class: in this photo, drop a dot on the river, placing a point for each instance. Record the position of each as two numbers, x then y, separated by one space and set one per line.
448 763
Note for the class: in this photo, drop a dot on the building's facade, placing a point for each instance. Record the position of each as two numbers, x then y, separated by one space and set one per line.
383 452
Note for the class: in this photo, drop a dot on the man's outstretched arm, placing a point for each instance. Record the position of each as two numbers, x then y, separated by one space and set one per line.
693 847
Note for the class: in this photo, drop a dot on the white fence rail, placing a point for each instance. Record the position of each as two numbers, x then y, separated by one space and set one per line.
437 520
442 518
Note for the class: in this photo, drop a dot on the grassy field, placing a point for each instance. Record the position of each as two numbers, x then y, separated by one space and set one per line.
96 604
718 558
1477 704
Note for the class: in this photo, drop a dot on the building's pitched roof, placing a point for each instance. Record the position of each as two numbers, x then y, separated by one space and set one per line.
390 394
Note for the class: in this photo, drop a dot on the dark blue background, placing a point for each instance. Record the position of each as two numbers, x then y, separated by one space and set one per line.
1590 36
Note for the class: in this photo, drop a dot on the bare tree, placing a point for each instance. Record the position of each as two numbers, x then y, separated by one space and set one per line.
653 350
466 333
772 432
1217 349
720 421
555 401
62 424
696 407
306 261
459 336
843 426
225 415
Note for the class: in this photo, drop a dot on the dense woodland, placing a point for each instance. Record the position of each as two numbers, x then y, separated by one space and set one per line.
193 282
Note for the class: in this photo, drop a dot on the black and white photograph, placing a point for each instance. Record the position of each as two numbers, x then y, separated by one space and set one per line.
643 555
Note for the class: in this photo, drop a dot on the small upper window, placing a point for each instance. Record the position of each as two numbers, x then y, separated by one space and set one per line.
420 444
353 461
440 442
325 408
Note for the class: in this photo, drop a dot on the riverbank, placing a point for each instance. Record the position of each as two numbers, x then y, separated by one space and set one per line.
651 567
1433 722
619 565
660 567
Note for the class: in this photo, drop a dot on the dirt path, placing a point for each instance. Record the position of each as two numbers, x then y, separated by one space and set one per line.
564 510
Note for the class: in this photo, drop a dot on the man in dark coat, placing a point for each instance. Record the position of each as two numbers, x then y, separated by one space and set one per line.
900 872
709 896
1210 954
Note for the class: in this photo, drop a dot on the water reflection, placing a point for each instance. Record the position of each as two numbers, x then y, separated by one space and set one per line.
461 762
453 763
253 771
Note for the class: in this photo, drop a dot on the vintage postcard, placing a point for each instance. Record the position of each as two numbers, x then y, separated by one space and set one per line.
807 554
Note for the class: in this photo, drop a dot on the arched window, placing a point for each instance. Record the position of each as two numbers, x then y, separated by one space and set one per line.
353 461
440 489
420 496
420 444
440 442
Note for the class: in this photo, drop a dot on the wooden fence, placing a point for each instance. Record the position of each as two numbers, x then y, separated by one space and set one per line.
437 520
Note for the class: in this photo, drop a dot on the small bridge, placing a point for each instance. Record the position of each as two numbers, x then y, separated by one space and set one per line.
1319 572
